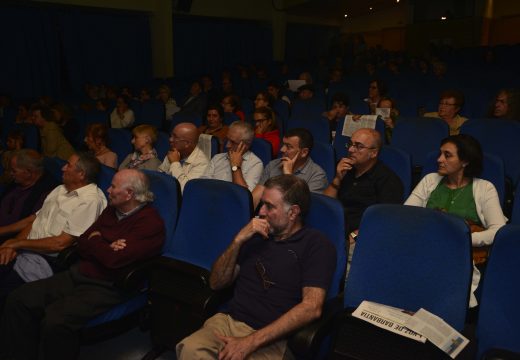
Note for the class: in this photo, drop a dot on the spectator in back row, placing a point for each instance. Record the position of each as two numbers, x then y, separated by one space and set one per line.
122 116
231 104
376 90
506 105
170 105
185 160
144 156
215 125
96 139
52 140
295 160
450 103
196 102
266 128
14 142
338 111
238 165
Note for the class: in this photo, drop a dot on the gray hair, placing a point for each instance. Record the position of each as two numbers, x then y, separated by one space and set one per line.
140 185
90 165
29 159
248 132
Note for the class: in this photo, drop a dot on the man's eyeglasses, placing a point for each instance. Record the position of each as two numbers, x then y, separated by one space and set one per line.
260 268
358 146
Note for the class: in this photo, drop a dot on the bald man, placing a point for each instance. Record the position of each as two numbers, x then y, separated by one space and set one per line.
185 160
362 180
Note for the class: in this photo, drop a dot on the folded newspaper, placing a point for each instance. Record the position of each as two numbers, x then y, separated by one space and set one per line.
364 121
419 326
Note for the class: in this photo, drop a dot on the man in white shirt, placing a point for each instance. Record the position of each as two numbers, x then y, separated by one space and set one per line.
67 212
238 164
185 160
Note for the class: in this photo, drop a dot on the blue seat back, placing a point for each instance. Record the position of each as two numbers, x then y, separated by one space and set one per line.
162 145
323 155
230 118
492 170
213 211
53 166
419 136
263 149
119 141
104 178
318 127
498 314
326 215
411 258
499 137
152 113
400 163
307 109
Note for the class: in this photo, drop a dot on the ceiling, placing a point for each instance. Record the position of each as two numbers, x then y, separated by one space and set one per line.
334 10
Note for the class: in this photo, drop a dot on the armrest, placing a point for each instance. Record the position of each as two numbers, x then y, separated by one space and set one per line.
134 276
306 341
500 354
66 258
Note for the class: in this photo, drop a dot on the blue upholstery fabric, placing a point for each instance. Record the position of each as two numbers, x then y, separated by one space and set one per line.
318 126
419 136
151 113
104 179
400 163
411 257
119 141
498 314
162 145
263 149
323 155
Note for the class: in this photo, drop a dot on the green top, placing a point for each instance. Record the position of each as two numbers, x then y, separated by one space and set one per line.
458 202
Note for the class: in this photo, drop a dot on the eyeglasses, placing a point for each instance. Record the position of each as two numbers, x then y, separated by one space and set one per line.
446 104
260 268
358 146
175 139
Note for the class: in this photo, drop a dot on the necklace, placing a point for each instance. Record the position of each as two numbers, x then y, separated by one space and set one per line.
458 194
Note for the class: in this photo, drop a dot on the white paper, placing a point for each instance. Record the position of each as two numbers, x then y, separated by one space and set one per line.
438 332
295 84
388 318
365 121
383 112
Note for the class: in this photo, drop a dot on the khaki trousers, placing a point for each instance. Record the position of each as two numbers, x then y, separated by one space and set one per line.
203 344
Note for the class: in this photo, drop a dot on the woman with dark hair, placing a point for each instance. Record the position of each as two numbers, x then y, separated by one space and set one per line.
456 189
231 104
376 90
263 99
215 124
266 128
96 139
122 116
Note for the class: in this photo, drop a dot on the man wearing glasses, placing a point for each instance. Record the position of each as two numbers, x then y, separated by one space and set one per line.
280 269
362 180
185 160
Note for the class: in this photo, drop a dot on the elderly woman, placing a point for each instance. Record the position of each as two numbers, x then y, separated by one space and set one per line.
122 116
215 125
457 190
144 156
449 106
266 128
96 139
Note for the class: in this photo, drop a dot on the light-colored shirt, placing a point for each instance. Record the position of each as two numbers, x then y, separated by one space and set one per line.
191 168
62 211
117 122
310 172
219 168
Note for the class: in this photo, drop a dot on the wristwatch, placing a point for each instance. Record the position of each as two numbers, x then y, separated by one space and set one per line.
235 168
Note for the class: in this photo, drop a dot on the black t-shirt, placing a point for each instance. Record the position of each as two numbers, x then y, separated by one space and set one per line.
379 185
273 274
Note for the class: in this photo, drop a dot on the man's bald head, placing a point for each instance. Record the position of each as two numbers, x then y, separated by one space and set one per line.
184 138
371 135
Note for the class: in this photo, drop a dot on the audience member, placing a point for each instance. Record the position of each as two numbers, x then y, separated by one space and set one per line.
306 92
23 116
65 214
144 156
231 104
275 90
275 293
215 125
53 143
144 95
376 91
238 165
96 139
456 189
338 111
196 102
212 94
63 117
266 128
506 105
170 105
263 99
122 116
45 316
449 106
362 180
295 160
391 119
23 198
185 160
13 143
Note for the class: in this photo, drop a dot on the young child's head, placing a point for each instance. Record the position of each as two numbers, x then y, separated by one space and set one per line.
14 140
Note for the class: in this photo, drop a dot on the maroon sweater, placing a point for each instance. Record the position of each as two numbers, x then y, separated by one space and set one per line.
144 234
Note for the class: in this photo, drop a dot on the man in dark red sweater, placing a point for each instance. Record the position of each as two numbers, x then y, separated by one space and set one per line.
53 310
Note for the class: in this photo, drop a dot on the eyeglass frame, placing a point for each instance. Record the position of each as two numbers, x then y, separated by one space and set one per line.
358 146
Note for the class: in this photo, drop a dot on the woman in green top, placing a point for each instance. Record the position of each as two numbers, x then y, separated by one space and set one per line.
456 189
